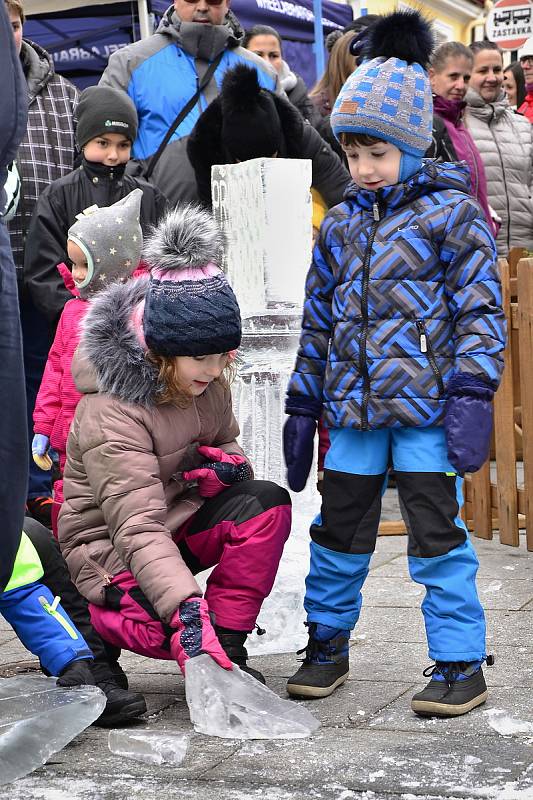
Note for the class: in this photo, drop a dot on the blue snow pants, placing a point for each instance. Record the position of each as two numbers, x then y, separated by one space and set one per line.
440 554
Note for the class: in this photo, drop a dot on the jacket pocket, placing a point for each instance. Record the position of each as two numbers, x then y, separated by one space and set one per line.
427 349
106 577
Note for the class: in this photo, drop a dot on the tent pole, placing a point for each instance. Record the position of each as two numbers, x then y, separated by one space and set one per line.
144 19
319 39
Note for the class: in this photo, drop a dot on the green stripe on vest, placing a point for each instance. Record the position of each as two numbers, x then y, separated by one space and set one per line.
28 567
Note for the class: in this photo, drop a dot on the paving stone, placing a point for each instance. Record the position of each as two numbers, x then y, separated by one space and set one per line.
386 761
398 715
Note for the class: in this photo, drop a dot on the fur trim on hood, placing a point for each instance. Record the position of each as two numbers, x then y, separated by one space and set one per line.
111 347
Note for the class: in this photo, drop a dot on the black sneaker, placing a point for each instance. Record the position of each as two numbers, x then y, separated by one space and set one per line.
232 642
454 689
77 673
121 706
325 666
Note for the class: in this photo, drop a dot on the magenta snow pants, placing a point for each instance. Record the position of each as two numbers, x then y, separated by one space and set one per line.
243 531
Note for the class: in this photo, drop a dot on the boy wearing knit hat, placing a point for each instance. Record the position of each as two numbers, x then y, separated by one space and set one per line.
400 354
106 127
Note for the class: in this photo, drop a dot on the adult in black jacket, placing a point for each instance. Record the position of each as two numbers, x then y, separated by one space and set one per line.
246 122
265 42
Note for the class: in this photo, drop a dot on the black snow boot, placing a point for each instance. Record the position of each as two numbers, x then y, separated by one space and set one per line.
232 642
77 673
122 705
454 689
325 666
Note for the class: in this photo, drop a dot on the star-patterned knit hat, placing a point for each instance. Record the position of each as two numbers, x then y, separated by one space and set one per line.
389 95
111 239
190 308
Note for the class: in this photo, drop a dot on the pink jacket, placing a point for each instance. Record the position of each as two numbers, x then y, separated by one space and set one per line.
58 397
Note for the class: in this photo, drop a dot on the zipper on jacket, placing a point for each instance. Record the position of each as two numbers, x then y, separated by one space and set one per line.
107 578
363 366
504 183
427 349
51 608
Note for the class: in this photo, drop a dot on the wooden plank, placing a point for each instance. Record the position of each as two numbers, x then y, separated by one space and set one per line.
525 332
392 527
515 254
481 502
504 435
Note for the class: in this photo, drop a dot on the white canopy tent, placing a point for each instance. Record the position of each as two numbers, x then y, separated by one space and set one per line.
52 6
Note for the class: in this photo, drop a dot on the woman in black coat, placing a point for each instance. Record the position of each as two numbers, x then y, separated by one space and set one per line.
245 122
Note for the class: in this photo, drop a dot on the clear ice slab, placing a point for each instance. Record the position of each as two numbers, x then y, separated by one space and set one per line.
233 705
38 718
149 746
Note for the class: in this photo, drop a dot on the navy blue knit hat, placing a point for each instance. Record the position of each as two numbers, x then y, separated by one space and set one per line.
190 308
389 95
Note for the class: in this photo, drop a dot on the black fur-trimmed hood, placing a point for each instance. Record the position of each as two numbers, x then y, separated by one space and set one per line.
111 358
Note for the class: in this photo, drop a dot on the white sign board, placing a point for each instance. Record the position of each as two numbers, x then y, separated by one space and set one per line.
510 23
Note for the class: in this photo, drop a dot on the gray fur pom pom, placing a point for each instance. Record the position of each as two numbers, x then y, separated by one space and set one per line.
187 236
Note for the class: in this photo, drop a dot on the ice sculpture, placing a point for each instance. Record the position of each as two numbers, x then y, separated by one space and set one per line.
233 705
264 208
38 718
149 746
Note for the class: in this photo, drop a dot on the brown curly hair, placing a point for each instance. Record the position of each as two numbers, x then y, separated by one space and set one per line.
171 388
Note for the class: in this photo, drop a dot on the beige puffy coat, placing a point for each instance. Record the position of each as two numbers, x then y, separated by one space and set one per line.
125 454
505 142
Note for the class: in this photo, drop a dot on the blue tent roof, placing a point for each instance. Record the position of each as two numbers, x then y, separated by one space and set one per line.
82 40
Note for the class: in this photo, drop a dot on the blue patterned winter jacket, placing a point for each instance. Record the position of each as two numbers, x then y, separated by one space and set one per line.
403 292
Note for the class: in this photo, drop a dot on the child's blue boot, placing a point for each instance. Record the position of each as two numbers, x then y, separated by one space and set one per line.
454 689
325 666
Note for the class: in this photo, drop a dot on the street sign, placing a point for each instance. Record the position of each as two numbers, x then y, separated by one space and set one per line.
510 23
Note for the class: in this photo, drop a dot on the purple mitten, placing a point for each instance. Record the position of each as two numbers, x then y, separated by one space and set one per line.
298 441
468 422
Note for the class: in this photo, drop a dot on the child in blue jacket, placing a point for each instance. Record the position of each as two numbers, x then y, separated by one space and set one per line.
400 353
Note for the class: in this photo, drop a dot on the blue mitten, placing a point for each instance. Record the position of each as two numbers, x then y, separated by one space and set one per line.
298 439
468 422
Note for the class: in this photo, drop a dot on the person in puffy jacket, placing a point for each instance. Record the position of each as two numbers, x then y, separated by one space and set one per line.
245 122
101 250
400 354
505 142
449 73
156 487
107 126
525 58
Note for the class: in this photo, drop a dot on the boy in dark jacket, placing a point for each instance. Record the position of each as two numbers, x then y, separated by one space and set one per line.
106 129
400 353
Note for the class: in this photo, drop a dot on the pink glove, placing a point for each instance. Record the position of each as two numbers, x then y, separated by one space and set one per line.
221 471
195 634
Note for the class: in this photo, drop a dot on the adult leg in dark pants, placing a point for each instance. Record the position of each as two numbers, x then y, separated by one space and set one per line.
121 703
36 340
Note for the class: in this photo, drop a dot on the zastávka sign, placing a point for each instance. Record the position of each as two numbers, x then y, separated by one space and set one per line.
510 23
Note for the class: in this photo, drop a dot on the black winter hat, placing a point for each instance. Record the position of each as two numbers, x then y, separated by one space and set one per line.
102 109
251 127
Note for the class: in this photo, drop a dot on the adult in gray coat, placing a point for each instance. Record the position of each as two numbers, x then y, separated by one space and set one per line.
13 434
505 142
162 73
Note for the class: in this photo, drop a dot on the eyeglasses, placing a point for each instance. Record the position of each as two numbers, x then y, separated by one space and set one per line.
209 2
526 60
